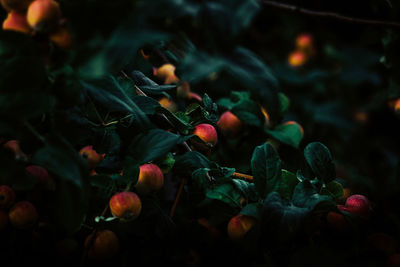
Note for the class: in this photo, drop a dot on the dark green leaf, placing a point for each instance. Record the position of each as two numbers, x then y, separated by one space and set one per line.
225 192
319 158
253 209
266 169
287 184
189 162
289 134
333 189
154 144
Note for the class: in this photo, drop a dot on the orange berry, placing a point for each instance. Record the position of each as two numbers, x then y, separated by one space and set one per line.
62 38
150 178
125 205
297 59
266 115
304 42
239 225
206 133
16 21
44 15
229 124
23 215
104 245
168 104
166 73
91 156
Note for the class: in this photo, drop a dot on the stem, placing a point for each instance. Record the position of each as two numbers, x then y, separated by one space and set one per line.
243 176
330 15
34 132
177 198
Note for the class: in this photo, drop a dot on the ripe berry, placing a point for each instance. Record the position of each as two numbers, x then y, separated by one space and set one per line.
206 133
229 124
104 245
150 178
125 205
239 225
7 197
23 215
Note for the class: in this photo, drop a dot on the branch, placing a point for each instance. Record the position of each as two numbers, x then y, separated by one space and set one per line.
330 15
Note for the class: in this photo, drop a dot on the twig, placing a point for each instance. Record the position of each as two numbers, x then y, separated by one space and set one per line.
34 132
243 176
177 198
330 15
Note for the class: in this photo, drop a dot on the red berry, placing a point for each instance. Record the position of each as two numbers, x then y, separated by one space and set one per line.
7 196
23 215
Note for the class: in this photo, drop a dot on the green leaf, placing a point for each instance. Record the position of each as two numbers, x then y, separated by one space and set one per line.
319 158
333 189
166 163
266 169
305 196
189 162
147 104
281 220
247 189
225 192
285 103
253 209
154 144
177 122
289 134
246 109
109 93
287 184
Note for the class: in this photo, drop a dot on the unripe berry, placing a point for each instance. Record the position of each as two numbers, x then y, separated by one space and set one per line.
150 179
229 124
7 197
91 156
23 215
239 225
206 133
16 22
44 15
105 245
125 205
